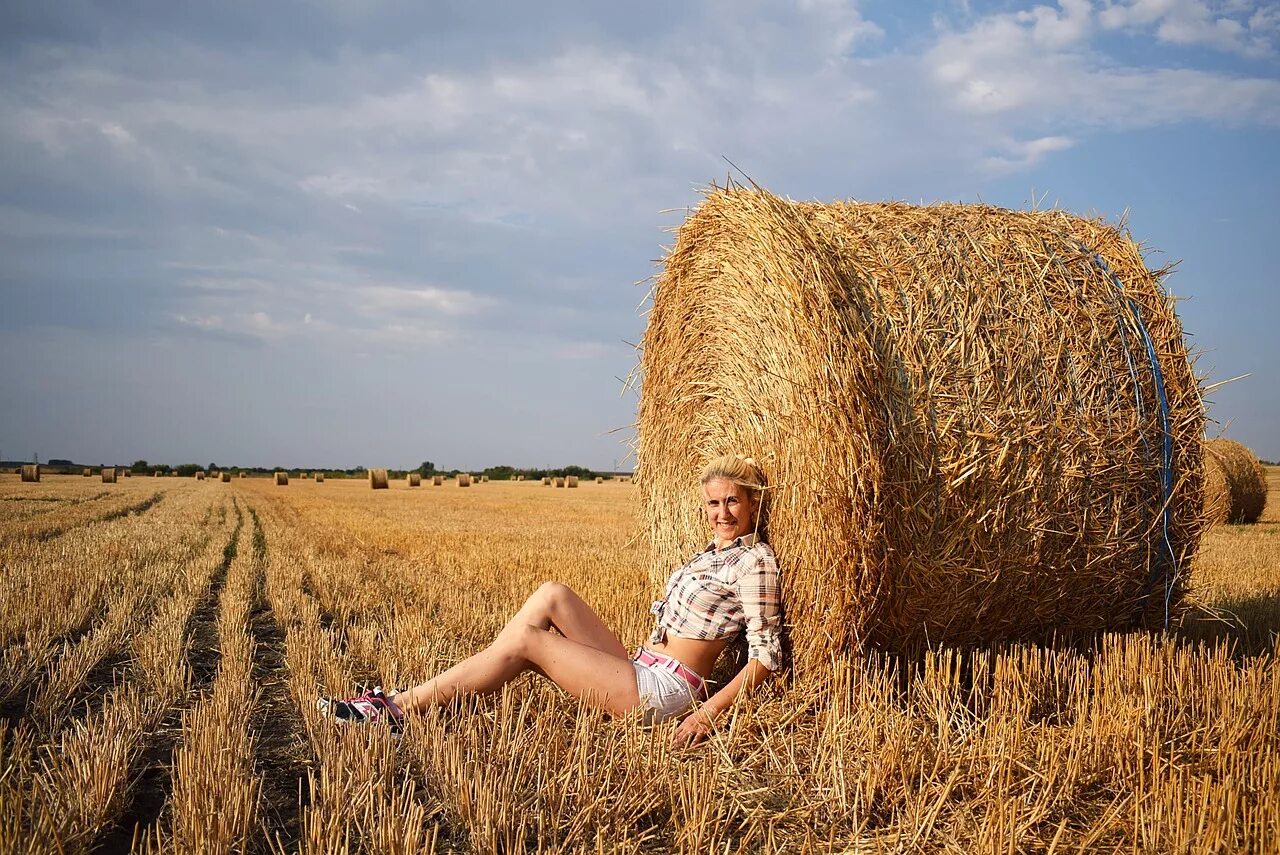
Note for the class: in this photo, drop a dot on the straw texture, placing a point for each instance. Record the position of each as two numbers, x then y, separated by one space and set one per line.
282 479
1235 484
87 473
226 477
319 477
199 476
378 479
571 481
108 475
436 480
414 479
559 482
945 402
464 480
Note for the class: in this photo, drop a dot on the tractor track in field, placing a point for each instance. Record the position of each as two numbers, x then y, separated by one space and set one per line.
283 756
149 792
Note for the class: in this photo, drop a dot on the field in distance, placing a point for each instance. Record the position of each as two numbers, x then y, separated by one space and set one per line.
163 641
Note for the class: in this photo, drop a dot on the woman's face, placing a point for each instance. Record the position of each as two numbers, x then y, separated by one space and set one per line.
731 509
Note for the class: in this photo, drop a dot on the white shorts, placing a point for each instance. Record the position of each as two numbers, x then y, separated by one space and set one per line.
663 694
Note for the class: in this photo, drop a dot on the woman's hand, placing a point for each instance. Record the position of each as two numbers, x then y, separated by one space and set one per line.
695 729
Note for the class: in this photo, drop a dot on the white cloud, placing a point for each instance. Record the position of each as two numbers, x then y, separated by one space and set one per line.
382 299
1235 27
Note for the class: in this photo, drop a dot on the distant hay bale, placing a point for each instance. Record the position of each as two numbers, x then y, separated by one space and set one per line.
282 479
156 474
128 473
226 477
243 475
108 475
546 482
599 480
199 476
437 480
1235 484
484 479
378 479
464 480
571 481
559 482
87 473
958 409
319 477
30 472
414 479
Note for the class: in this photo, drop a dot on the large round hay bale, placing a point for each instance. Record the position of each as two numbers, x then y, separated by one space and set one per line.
108 474
226 477
437 480
571 481
87 473
199 476
243 475
464 480
319 477
282 479
30 472
157 474
378 479
1235 484
414 479
484 479
559 482
976 424
546 482
128 473
599 480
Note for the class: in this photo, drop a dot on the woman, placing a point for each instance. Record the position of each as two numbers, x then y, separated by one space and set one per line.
730 588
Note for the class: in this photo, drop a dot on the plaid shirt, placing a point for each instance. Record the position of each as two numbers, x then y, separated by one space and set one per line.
721 593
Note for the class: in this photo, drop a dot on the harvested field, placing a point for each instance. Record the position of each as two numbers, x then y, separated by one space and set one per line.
160 665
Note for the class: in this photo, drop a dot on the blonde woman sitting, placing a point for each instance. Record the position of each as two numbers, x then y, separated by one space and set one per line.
730 589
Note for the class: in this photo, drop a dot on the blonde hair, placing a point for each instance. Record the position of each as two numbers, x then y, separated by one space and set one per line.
740 470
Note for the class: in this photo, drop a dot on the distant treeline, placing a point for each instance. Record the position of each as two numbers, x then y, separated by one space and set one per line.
141 467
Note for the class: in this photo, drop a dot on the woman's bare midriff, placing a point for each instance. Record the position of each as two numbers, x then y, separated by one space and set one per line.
700 654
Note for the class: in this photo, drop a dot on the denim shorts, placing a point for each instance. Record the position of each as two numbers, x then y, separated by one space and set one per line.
663 694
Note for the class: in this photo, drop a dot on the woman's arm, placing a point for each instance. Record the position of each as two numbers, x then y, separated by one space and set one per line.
697 725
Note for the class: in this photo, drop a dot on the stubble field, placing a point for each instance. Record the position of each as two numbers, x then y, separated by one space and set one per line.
162 643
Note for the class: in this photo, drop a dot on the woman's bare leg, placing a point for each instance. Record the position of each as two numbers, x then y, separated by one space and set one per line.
581 670
589 659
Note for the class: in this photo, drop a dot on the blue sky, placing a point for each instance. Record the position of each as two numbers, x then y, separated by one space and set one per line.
301 234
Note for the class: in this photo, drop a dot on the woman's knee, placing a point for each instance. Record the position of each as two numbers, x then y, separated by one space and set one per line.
551 595
520 642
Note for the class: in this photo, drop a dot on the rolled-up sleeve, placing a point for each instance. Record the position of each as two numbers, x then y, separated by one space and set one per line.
760 592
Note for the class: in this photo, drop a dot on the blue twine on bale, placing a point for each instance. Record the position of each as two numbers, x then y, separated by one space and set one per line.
1166 456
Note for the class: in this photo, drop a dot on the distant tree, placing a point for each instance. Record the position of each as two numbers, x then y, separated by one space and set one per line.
500 473
186 470
427 468
212 467
138 467
58 461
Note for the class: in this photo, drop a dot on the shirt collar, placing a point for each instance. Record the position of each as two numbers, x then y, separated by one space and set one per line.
746 542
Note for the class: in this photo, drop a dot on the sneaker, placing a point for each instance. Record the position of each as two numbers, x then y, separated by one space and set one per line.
372 707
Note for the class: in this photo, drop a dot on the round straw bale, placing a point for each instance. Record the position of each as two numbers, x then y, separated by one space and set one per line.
571 481
199 476
414 479
319 477
942 399
1235 484
108 474
484 479
88 473
599 480
559 482
437 480
464 480
546 482
378 479
30 472
243 475
282 479
226 477
155 474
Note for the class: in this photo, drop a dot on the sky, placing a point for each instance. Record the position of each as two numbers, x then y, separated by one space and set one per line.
376 233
